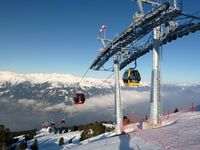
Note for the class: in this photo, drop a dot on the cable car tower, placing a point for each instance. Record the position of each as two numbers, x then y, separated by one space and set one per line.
163 23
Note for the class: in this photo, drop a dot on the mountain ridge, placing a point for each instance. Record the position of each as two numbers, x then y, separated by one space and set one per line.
54 87
50 87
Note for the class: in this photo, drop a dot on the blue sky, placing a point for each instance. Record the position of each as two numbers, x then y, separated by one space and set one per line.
59 36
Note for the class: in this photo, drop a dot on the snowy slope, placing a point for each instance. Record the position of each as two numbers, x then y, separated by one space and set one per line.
182 135
50 141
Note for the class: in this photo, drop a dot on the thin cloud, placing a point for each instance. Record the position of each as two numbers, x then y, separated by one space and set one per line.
33 113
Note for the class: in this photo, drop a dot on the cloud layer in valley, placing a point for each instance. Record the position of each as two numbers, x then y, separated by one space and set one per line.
27 113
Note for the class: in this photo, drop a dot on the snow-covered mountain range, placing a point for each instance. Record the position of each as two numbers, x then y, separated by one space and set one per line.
37 98
49 87
52 88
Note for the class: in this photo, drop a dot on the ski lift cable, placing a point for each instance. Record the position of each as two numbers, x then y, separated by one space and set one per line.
107 78
194 15
83 76
86 74
135 64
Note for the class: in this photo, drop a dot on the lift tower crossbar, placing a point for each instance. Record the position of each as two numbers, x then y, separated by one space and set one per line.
178 32
135 32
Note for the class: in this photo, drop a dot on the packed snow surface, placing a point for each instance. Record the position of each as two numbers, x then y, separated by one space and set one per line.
183 134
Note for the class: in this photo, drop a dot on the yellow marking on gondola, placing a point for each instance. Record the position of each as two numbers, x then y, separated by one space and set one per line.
132 83
129 73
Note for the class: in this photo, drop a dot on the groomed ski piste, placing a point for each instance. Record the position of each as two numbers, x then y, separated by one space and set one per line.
182 133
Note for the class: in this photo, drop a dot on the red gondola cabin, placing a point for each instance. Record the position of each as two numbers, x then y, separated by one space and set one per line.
79 98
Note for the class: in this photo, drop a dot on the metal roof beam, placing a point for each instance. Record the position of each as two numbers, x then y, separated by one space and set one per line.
178 32
135 31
